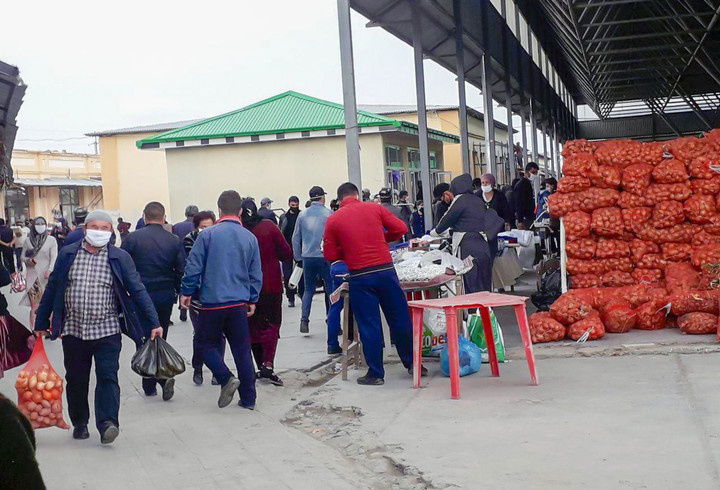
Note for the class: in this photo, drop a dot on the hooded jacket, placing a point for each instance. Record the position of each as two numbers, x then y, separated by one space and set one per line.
467 212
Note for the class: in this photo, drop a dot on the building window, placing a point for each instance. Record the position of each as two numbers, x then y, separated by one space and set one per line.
17 205
414 159
69 201
393 156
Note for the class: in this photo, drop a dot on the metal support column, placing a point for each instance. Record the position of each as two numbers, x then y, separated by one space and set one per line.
533 133
546 163
422 116
352 132
556 144
523 135
551 143
460 55
488 116
508 104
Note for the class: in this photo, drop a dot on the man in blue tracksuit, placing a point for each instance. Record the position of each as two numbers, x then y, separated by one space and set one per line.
224 266
307 247
338 270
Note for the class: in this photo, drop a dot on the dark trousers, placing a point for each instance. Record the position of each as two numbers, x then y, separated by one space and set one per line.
264 328
18 257
163 301
479 278
315 269
287 269
369 293
79 356
334 324
197 361
233 323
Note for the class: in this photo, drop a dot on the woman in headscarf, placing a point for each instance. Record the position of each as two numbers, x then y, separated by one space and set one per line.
265 324
472 226
39 254
442 197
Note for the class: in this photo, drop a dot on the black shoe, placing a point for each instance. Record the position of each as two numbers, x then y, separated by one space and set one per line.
334 351
423 371
304 326
291 303
151 393
370 380
109 433
183 315
247 407
214 381
198 377
227 392
172 323
269 374
168 389
81 432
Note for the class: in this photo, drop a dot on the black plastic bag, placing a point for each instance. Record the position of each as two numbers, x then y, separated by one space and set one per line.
548 291
157 359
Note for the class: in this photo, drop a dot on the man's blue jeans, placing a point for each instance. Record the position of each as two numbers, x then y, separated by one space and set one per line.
315 269
337 270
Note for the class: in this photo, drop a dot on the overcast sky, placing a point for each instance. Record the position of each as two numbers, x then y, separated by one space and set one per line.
92 66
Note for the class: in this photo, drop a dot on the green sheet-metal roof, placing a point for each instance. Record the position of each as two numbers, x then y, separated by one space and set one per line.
284 113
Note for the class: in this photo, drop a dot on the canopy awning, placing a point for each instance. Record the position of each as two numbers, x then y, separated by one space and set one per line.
58 182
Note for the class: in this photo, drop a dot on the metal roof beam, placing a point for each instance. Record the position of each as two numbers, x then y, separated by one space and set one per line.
636 60
644 20
637 49
651 35
607 3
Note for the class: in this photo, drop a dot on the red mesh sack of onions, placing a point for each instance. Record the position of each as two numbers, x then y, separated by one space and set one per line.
579 266
681 233
630 200
676 252
713 139
638 248
607 177
671 322
608 222
618 316
667 214
578 146
561 204
635 218
608 248
636 178
592 324
577 225
651 261
594 198
580 164
702 237
717 202
544 328
578 281
651 315
693 300
663 192
573 183
706 254
582 248
705 166
700 208
569 309
647 276
709 277
713 227
681 276
624 264
616 279
689 148
641 293
698 323
670 172
705 186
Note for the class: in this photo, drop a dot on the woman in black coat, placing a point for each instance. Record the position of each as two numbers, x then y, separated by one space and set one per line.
495 200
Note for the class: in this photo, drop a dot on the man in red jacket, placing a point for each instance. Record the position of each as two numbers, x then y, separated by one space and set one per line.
358 234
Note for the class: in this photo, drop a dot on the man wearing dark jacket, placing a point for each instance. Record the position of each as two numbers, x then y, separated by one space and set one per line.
92 283
78 233
287 227
524 196
265 212
159 257
182 229
386 202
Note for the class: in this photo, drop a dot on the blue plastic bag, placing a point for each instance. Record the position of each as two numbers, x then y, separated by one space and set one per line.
470 358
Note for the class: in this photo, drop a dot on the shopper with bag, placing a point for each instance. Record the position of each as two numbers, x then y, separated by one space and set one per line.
159 258
224 269
92 283
39 254
287 226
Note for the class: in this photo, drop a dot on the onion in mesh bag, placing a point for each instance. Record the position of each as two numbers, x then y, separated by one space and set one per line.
577 225
667 214
700 208
582 248
568 309
608 222
592 324
618 316
572 183
698 323
544 328
636 178
670 172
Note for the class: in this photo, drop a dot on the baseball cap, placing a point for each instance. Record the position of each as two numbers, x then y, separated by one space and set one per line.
385 193
316 191
294 199
265 200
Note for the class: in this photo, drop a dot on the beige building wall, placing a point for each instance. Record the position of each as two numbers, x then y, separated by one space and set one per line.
133 177
278 169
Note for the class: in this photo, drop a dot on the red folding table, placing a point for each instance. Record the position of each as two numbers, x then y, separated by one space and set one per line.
451 305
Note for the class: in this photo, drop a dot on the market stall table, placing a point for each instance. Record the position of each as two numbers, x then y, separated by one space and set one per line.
481 301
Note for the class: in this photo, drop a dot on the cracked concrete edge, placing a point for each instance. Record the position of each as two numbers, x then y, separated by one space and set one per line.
564 351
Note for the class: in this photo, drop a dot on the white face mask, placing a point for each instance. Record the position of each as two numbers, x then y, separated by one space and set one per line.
486 188
97 238
534 177
40 229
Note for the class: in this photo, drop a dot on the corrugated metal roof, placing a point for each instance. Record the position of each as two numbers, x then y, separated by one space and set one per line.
59 182
288 112
151 128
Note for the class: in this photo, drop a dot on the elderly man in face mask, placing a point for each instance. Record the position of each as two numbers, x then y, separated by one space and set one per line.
92 283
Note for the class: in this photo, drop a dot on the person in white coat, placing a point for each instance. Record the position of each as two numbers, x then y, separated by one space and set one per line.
39 254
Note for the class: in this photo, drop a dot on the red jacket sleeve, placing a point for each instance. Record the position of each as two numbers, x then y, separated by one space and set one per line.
282 249
395 228
331 248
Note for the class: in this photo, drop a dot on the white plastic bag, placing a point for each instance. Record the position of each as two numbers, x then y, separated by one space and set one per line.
295 277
